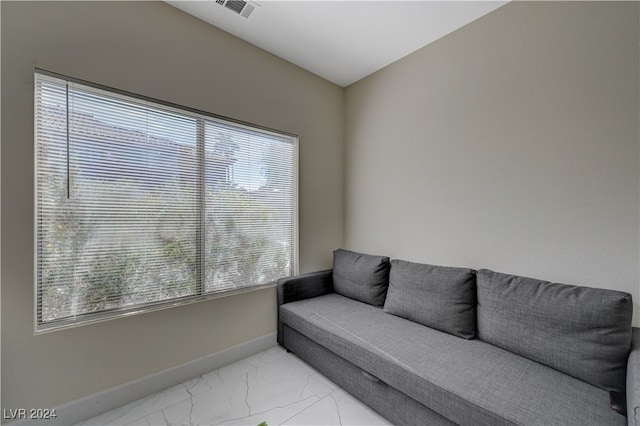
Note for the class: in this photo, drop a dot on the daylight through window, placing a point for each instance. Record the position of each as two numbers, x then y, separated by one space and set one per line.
140 205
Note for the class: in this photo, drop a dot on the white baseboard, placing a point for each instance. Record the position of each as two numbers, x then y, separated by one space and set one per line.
84 408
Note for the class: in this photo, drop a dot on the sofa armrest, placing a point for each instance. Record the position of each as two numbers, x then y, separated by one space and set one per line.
305 286
633 380
301 287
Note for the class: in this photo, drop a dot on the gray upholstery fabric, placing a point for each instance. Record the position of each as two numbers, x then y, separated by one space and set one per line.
394 405
584 332
440 297
301 287
362 277
633 381
468 381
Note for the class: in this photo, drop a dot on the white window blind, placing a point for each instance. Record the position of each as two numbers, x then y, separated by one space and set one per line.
141 205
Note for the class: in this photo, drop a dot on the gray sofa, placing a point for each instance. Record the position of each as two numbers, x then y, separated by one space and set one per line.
424 344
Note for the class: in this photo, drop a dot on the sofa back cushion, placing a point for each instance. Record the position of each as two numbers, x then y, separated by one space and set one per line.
584 332
439 297
362 277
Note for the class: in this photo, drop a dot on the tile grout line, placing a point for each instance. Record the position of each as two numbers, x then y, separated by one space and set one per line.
164 407
305 409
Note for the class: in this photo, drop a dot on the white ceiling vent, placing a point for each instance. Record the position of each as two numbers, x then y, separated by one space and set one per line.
241 7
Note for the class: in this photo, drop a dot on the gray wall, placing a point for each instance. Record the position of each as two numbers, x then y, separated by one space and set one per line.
510 144
155 50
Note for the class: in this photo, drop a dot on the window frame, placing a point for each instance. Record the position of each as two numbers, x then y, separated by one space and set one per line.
41 327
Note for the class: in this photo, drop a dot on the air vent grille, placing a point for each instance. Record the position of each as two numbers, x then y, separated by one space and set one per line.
247 10
241 7
236 5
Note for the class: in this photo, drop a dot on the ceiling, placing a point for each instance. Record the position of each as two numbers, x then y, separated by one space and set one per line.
341 41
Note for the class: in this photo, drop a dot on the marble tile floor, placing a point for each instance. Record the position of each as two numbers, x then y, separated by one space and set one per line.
272 386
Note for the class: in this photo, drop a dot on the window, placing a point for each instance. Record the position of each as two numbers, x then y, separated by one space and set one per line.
142 205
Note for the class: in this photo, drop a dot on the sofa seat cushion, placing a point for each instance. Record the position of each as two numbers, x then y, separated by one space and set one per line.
467 381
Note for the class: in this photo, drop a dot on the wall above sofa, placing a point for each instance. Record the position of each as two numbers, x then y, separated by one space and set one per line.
510 144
